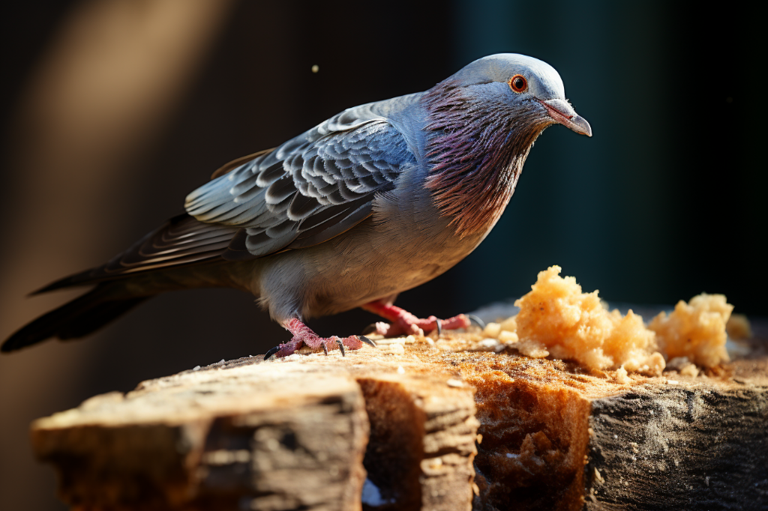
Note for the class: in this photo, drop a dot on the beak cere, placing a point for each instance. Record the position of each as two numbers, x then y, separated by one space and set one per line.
563 113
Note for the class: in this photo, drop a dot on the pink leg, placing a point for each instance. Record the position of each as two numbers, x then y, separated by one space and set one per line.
405 323
302 334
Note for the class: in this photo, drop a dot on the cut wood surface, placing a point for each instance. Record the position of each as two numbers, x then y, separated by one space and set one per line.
418 424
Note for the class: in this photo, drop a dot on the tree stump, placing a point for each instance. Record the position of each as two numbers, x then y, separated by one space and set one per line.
437 424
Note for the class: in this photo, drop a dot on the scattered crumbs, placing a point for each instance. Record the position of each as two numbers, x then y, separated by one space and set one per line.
492 329
396 349
690 370
315 68
410 339
508 337
196 368
591 432
393 340
598 476
621 376
695 330
672 382
435 463
400 370
635 447
454 383
430 341
615 437
488 343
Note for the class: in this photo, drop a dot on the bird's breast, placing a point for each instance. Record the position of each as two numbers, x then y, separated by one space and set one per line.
405 243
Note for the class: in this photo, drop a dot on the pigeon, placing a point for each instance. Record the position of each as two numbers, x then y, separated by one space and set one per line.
374 201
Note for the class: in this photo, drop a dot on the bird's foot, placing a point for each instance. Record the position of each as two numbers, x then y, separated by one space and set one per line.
405 323
302 334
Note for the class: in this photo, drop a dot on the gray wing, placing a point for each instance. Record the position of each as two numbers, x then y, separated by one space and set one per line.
302 193
308 190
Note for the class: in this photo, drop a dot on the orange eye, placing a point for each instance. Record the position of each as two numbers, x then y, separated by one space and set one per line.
518 83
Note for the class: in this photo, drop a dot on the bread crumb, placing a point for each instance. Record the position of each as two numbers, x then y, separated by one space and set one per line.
455 383
532 349
598 477
738 327
689 370
678 363
487 345
508 337
509 325
492 329
695 330
557 317
621 376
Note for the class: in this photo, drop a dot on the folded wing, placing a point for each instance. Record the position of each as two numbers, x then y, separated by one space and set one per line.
308 190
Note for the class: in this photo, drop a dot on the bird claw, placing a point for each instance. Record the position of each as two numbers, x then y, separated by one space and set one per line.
325 348
439 327
341 347
366 340
476 321
271 352
370 329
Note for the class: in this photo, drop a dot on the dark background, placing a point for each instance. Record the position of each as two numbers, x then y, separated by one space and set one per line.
664 202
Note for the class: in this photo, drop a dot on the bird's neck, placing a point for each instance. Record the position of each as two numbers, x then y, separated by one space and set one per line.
475 154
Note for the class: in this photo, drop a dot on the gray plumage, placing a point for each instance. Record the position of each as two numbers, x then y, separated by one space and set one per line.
374 201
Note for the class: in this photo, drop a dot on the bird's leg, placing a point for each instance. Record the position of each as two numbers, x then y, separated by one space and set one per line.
302 334
403 322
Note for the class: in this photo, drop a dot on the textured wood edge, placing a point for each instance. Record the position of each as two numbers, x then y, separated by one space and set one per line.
679 447
545 433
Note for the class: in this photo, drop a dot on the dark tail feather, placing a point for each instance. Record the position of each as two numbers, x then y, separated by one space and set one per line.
82 278
74 319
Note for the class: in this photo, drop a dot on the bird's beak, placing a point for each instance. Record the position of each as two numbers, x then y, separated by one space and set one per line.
561 112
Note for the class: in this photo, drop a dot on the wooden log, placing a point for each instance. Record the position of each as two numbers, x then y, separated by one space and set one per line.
418 424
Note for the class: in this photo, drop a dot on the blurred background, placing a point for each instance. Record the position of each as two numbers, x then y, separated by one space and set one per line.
112 111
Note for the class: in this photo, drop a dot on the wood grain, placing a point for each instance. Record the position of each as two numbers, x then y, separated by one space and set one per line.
433 424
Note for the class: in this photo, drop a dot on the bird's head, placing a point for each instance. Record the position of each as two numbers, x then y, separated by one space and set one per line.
525 87
481 124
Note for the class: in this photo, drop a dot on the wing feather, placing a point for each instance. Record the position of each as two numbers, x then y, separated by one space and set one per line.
308 190
302 193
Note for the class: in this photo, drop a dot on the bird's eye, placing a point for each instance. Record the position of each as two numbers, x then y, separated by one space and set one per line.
518 83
